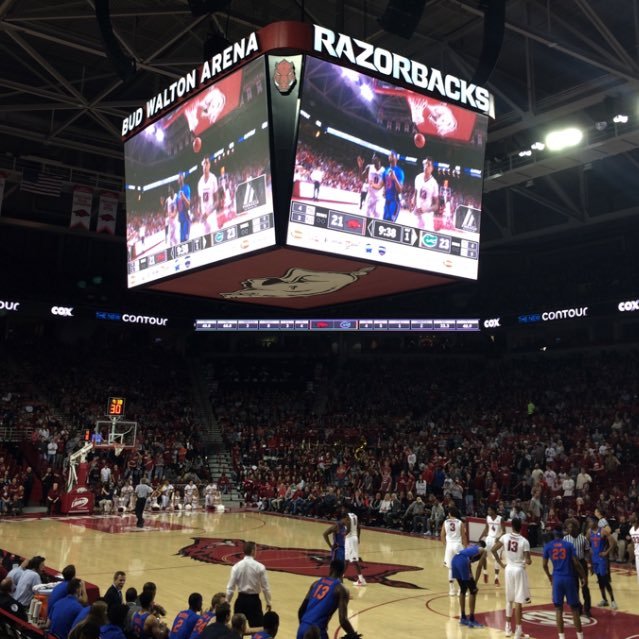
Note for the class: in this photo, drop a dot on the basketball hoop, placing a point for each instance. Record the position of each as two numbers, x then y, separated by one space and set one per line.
417 106
117 449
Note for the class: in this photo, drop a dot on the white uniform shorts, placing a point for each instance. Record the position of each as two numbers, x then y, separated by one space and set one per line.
517 590
351 549
450 552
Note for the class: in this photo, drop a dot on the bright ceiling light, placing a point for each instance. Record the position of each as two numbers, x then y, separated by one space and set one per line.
351 75
525 154
620 119
538 146
563 139
367 92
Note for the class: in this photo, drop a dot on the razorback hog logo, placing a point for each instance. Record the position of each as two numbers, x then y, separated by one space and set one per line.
297 561
284 76
297 282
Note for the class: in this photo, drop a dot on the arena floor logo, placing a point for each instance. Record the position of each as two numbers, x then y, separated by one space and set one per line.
540 622
297 561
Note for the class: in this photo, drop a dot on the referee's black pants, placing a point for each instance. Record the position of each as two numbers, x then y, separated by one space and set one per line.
251 606
585 591
140 502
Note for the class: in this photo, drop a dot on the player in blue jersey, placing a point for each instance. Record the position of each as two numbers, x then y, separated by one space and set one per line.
271 626
339 531
324 597
186 620
393 186
601 543
461 570
565 566
183 202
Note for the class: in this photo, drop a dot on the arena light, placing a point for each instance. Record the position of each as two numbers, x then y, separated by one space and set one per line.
349 74
620 118
367 92
352 138
563 139
318 123
525 154
304 114
159 134
538 146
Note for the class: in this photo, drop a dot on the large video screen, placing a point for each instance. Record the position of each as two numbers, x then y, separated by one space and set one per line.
386 174
198 181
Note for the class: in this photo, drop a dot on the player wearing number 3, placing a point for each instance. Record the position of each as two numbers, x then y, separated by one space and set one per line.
517 554
564 566
324 597
455 536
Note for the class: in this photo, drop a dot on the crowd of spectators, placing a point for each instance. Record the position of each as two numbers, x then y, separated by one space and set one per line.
59 413
545 438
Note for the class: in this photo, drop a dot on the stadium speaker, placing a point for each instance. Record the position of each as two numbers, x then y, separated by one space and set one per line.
494 27
214 43
402 16
203 7
123 64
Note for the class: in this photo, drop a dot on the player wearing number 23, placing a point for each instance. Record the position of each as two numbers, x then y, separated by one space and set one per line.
324 597
393 186
565 566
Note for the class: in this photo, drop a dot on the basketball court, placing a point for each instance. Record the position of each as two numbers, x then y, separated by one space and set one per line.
406 595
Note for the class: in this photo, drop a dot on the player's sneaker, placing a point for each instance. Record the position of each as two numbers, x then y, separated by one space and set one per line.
497 581
613 605
518 635
464 621
474 624
508 631
452 592
485 577
603 603
360 582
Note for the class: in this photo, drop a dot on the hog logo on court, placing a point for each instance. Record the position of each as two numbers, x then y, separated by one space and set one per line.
297 282
284 77
297 561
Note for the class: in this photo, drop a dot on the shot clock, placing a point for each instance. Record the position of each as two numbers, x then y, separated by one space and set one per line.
115 407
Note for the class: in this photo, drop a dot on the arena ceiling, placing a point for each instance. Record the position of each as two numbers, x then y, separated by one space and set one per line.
562 62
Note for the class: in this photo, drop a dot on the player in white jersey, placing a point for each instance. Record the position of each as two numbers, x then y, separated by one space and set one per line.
351 546
207 194
455 536
374 181
172 233
190 494
209 495
493 530
634 537
126 496
516 551
426 202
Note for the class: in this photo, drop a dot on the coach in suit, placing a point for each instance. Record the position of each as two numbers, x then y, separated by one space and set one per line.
114 596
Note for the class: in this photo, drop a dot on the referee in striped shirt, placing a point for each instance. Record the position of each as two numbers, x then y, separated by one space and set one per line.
582 548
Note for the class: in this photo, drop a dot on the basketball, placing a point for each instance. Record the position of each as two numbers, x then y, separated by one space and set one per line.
419 140
197 145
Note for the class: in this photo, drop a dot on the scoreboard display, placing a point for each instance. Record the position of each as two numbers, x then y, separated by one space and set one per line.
115 407
199 180
394 178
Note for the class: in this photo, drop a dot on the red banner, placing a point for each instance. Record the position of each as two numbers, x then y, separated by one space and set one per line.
107 213
81 208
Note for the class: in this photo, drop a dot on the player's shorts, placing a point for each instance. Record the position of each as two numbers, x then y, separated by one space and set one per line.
460 569
490 542
517 590
564 587
372 204
450 552
338 553
601 568
351 549
391 210
305 626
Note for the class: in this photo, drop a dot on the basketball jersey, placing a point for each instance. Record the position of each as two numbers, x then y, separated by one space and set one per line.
202 623
206 190
375 178
514 548
597 545
322 603
137 624
453 528
426 190
353 532
339 535
560 553
261 634
391 191
494 526
184 624
634 535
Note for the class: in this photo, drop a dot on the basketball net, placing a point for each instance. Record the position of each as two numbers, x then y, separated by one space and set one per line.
417 106
117 449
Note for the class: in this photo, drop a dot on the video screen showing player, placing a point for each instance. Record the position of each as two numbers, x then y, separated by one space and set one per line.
370 148
201 168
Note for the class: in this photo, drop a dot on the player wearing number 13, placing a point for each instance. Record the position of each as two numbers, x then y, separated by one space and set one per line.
564 566
324 597
517 555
